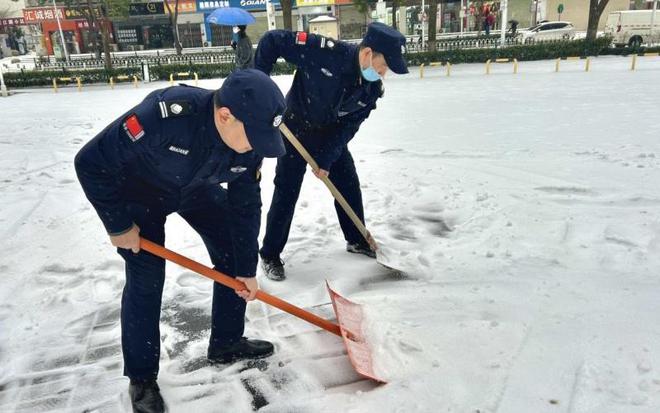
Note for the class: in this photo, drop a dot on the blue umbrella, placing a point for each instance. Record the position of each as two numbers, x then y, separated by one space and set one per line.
230 16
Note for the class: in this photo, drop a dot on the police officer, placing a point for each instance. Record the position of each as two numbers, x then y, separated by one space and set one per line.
335 87
175 152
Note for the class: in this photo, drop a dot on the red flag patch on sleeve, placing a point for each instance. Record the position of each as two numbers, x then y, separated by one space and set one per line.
301 38
133 128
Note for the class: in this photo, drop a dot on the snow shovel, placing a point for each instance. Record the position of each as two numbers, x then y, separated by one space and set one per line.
380 255
349 314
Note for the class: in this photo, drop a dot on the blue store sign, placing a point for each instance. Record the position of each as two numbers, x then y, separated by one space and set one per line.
253 5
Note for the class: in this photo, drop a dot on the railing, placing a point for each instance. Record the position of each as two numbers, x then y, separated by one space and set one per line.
132 61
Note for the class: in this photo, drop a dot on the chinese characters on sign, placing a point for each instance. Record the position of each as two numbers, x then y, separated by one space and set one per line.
212 5
13 21
185 6
40 14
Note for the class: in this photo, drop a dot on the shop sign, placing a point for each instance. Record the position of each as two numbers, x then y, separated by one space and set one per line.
309 3
146 9
12 21
40 14
185 6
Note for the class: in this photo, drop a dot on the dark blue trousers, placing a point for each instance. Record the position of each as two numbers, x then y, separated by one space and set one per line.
289 176
145 274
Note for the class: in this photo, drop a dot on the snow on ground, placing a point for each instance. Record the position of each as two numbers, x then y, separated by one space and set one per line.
525 210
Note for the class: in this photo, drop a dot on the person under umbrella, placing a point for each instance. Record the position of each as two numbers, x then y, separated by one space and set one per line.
242 47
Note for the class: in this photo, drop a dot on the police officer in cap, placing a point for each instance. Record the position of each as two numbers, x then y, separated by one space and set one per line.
335 87
177 151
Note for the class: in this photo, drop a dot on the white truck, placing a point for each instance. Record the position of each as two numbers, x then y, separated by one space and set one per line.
633 28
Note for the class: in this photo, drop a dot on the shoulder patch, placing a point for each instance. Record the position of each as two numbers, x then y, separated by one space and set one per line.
301 38
133 128
174 108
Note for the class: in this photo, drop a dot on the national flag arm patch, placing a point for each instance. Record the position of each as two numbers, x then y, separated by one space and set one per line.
301 38
133 128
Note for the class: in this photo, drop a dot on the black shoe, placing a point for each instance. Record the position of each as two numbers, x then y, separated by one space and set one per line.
145 397
242 349
273 268
363 249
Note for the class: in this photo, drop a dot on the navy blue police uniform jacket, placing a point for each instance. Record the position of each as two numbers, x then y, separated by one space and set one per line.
328 92
166 152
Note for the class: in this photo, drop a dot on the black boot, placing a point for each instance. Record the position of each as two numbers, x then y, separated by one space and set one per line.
145 397
242 349
273 268
357 248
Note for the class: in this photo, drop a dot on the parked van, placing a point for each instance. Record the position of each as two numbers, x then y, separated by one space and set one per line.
632 28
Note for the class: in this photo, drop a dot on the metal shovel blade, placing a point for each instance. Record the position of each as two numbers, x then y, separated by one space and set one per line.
349 314
350 318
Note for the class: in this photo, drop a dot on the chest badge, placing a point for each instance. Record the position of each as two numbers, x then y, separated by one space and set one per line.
176 108
277 121
326 72
238 169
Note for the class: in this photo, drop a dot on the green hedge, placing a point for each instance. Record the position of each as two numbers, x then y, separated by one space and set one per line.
158 72
541 51
550 50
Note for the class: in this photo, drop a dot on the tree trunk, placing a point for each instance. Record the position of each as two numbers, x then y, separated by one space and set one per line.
106 43
94 29
395 7
479 17
596 9
432 19
286 14
174 17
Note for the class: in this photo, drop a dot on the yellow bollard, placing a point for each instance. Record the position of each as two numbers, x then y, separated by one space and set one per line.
421 71
515 66
171 79
135 82
587 65
196 78
557 65
634 62
488 67
448 69
112 82
55 85
79 84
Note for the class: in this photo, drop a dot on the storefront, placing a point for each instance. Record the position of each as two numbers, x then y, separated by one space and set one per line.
13 36
147 27
46 18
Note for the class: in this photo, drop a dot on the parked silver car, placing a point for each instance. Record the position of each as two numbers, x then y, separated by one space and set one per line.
549 31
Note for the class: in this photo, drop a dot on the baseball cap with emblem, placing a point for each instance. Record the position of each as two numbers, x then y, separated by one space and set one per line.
254 99
384 39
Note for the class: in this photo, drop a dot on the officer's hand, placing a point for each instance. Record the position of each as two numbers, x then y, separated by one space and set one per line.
129 240
321 173
252 287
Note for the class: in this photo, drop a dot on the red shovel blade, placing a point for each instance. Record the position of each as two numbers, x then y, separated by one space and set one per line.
349 318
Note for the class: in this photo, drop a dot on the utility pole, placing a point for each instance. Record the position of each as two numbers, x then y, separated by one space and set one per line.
505 12
59 25
3 87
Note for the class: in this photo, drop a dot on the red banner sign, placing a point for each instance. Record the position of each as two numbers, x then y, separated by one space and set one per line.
12 21
40 14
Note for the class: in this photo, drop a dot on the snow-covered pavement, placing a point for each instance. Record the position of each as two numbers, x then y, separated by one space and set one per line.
524 208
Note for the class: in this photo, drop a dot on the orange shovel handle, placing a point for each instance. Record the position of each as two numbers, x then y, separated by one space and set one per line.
230 282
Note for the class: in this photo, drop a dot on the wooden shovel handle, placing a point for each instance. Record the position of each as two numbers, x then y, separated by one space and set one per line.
232 283
333 189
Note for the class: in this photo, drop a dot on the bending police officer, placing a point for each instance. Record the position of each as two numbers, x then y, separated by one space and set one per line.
175 152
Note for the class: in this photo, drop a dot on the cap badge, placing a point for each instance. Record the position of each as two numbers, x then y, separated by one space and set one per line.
277 120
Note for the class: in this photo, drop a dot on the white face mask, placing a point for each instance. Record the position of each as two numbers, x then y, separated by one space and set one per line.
235 29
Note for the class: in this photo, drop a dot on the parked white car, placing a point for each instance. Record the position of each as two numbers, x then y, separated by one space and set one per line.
632 28
549 31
